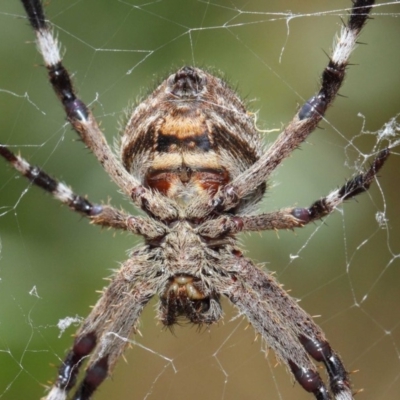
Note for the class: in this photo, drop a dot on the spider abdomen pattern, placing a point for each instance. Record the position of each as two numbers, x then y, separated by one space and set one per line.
192 160
191 137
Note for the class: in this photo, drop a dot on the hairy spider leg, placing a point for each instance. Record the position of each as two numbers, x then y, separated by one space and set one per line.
248 288
106 331
288 329
295 217
307 118
102 215
78 114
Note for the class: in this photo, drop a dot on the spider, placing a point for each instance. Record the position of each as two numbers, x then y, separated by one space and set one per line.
192 160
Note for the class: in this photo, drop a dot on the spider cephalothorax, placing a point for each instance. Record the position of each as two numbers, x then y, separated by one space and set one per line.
192 160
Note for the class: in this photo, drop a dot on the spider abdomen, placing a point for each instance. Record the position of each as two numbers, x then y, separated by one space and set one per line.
185 161
192 136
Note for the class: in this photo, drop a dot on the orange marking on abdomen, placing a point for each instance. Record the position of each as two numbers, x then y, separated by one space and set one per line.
171 181
180 134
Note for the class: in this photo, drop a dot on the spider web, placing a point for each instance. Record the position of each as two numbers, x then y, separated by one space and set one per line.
347 269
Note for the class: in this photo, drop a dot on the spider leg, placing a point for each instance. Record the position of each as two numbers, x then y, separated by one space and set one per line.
307 118
80 117
105 332
103 215
290 218
269 308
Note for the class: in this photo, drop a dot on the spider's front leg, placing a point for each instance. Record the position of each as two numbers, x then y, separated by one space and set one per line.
285 327
307 118
105 332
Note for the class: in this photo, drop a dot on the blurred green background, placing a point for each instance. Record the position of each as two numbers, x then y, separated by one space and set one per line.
52 262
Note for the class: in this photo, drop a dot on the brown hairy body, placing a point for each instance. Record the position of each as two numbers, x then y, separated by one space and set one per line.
192 160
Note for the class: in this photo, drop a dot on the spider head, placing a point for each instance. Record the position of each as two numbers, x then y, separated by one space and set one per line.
187 298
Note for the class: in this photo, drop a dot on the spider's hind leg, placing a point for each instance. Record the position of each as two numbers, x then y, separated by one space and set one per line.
307 118
80 116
